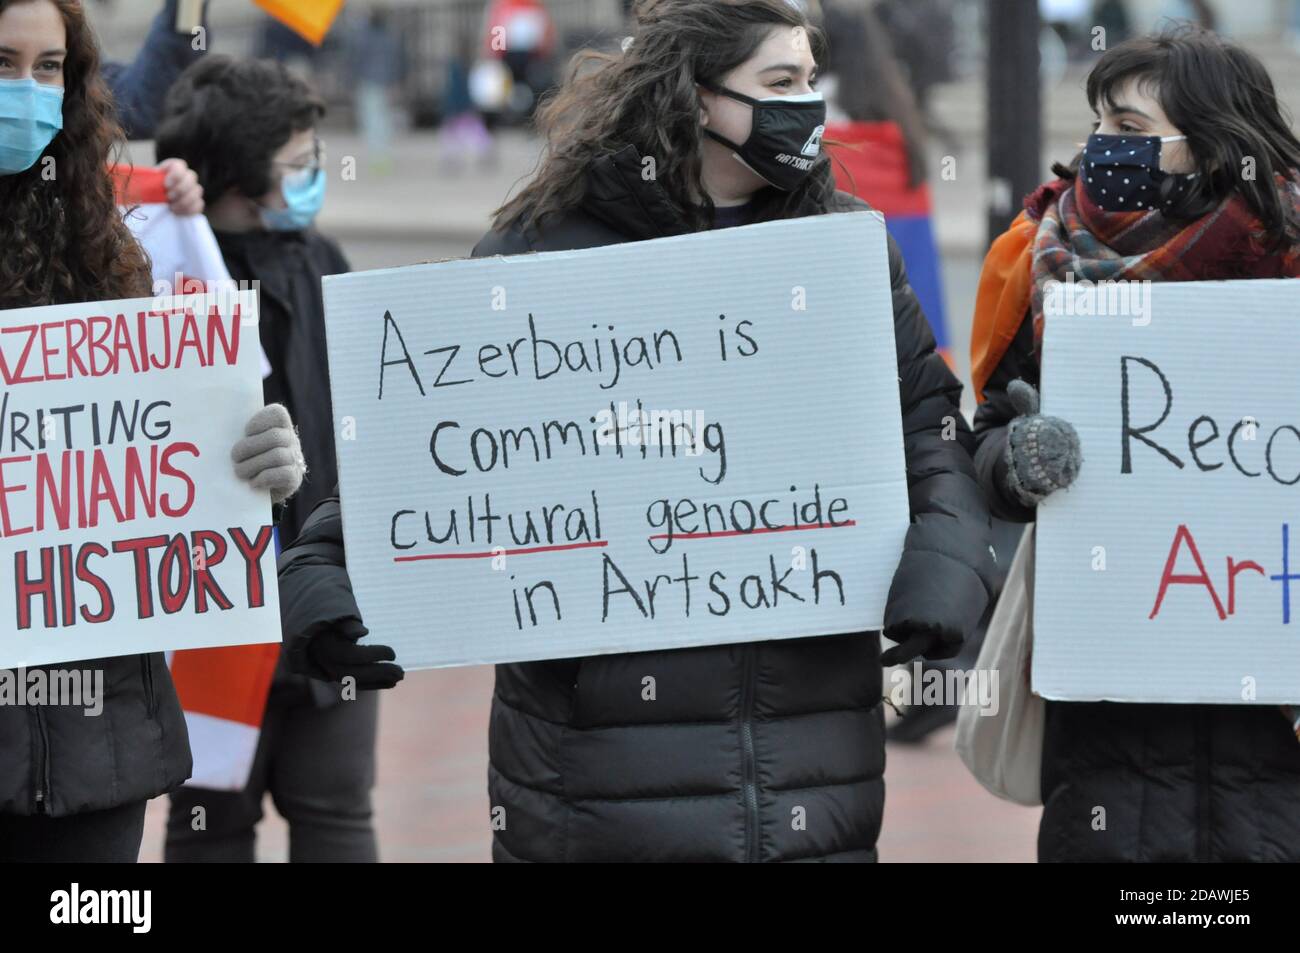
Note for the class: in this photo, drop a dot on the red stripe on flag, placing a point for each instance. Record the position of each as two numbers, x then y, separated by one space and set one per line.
136 185
231 683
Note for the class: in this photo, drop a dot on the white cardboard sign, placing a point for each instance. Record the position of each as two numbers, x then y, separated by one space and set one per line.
123 528
1162 573
687 441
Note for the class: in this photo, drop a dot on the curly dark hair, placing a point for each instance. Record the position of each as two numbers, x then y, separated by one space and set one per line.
63 236
227 117
647 97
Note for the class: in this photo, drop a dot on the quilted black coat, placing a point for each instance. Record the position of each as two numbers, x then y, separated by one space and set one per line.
742 740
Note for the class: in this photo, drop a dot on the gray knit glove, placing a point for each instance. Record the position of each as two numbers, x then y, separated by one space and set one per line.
1043 453
270 456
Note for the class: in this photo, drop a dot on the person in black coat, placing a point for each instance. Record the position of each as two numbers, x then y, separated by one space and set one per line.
744 740
248 129
1127 782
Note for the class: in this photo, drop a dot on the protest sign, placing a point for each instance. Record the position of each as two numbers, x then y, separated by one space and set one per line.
1165 572
123 528
685 441
183 249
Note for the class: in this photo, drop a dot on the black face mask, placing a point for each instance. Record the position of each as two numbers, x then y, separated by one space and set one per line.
1122 173
786 137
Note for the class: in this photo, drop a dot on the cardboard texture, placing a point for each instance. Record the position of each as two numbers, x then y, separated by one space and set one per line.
126 530
1210 369
807 397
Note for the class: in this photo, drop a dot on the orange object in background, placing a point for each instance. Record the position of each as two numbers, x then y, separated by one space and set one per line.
310 19
230 683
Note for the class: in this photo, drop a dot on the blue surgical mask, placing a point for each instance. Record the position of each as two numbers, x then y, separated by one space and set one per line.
31 115
304 194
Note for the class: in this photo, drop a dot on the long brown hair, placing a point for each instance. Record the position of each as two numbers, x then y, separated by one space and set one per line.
646 97
62 238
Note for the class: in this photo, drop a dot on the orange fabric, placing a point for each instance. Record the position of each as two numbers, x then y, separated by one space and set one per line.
310 19
231 683
1002 300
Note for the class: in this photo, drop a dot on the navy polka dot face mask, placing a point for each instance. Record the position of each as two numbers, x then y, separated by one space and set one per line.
1121 173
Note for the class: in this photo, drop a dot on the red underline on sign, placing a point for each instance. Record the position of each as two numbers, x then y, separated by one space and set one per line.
500 552
752 532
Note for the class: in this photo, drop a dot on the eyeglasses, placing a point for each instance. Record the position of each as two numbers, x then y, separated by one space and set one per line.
303 171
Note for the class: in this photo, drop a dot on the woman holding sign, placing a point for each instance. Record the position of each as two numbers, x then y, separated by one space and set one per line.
764 751
74 781
1192 114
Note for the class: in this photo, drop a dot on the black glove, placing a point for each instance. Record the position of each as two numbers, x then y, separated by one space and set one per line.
919 638
329 651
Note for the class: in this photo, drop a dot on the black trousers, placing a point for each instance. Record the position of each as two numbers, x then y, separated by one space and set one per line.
318 765
111 836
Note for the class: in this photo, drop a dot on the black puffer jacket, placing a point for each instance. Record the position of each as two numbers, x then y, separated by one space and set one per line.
1175 782
57 760
743 739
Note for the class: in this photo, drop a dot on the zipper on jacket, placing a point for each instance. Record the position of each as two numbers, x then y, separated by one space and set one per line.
750 771
146 673
42 772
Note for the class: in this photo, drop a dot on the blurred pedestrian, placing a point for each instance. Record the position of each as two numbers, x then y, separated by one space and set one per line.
464 140
923 41
1113 17
880 142
378 66
249 129
521 35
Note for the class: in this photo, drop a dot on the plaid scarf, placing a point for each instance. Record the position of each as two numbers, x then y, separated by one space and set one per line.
1074 235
